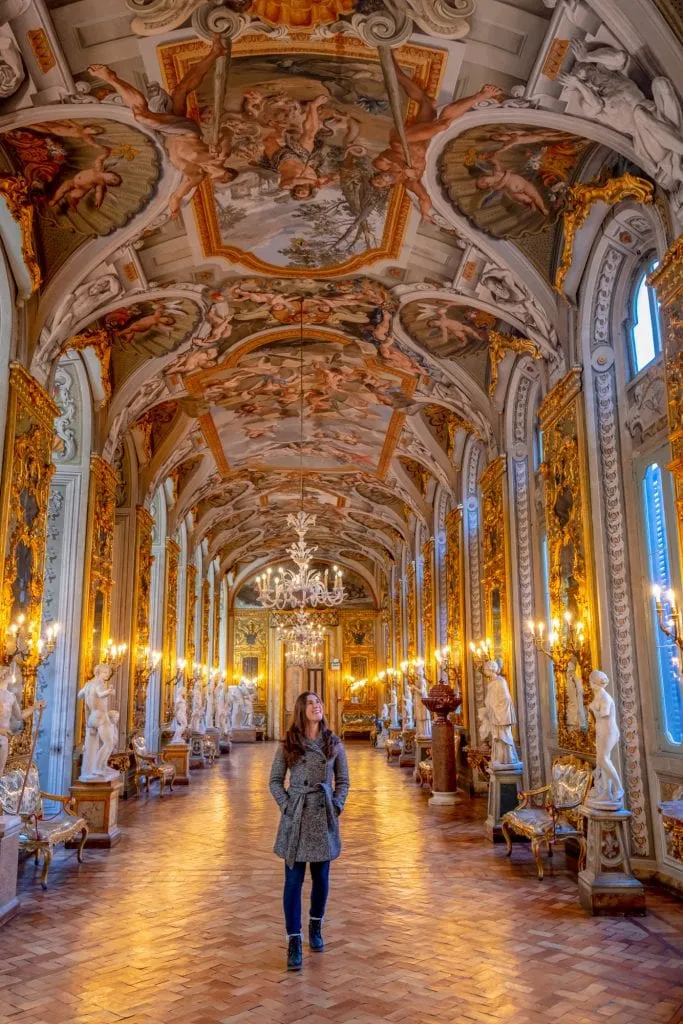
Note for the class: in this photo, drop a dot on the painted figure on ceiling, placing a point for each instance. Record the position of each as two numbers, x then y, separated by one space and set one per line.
167 114
392 165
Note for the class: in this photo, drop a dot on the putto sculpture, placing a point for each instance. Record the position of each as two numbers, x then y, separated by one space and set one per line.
101 726
180 717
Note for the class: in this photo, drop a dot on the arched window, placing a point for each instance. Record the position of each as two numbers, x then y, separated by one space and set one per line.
646 343
660 574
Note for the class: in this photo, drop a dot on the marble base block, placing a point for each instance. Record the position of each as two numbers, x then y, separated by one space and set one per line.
98 803
225 744
198 758
243 735
606 884
10 825
505 783
178 754
445 799
215 735
423 748
406 758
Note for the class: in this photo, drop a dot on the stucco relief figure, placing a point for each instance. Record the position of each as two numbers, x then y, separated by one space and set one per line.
498 716
180 717
607 785
391 165
604 93
83 300
167 115
12 716
101 726
575 715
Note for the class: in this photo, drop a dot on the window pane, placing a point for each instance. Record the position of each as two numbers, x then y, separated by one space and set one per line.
644 343
660 573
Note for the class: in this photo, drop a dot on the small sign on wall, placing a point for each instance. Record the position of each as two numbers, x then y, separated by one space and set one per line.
335 663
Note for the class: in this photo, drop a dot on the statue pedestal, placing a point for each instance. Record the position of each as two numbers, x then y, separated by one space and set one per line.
225 743
215 735
406 758
394 745
198 758
10 826
423 747
444 777
178 754
243 735
505 783
606 884
98 803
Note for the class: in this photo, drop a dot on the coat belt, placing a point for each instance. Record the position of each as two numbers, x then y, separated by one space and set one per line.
295 809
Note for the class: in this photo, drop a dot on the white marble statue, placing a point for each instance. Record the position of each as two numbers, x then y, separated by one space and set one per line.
197 721
101 726
180 717
209 704
222 710
607 786
575 715
394 723
603 92
423 719
11 712
408 707
498 716
384 713
248 699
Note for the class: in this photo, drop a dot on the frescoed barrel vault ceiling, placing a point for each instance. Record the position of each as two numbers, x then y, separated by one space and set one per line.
203 197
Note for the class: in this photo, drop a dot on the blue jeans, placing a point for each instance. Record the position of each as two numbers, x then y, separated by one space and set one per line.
294 880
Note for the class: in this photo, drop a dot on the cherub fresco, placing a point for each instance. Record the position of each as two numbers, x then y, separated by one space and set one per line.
452 332
511 180
348 405
85 178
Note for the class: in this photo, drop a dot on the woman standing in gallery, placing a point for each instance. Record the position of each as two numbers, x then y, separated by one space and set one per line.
310 806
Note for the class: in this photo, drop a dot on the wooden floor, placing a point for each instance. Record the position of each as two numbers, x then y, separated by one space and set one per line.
427 922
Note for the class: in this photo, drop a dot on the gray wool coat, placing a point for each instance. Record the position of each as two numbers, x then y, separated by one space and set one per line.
310 805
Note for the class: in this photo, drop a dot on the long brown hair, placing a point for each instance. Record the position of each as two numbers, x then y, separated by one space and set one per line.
296 734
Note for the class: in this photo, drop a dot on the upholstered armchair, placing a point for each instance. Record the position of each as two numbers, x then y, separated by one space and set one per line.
40 833
150 767
550 814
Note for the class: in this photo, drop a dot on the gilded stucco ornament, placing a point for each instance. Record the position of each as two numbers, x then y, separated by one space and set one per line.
580 201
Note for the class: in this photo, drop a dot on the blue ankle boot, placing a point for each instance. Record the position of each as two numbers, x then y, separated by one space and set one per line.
315 934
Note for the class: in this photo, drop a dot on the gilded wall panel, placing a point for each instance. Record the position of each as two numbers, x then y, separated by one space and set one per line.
570 561
190 614
97 582
398 621
205 613
428 613
411 608
137 704
170 638
359 659
26 474
250 657
495 563
454 569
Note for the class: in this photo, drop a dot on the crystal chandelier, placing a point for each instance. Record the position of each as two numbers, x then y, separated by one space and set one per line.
303 630
289 588
304 586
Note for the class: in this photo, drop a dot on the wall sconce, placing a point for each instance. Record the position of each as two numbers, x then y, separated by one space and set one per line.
481 653
670 624
113 654
563 642
21 642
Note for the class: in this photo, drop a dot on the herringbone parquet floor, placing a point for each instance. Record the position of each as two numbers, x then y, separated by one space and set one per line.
427 922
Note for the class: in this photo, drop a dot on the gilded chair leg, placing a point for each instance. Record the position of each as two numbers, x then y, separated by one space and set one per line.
36 859
84 839
536 850
161 785
508 838
550 848
47 859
